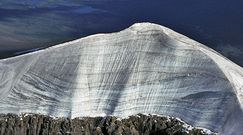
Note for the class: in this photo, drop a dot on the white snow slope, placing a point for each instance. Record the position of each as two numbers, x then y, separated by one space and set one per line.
146 68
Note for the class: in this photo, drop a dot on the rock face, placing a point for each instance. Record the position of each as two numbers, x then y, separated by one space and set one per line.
146 68
34 124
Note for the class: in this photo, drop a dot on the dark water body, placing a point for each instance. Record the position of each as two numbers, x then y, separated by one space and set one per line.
32 24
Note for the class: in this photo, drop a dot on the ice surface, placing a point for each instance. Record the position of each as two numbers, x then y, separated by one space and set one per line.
146 68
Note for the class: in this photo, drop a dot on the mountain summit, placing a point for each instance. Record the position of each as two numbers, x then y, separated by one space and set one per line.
146 68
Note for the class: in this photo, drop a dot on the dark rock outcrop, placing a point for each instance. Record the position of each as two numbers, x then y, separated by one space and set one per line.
34 124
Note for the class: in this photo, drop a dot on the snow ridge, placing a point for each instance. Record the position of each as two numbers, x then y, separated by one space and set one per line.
146 68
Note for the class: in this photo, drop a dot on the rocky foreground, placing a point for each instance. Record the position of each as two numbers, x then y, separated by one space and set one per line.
34 124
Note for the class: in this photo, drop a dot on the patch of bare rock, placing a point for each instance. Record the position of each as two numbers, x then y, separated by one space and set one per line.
35 124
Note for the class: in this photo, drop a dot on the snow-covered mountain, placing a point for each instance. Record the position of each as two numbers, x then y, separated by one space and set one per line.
146 68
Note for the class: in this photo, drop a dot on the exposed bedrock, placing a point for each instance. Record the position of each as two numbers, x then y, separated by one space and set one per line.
34 124
146 68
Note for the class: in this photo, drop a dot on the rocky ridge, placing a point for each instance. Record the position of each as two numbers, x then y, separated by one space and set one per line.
34 124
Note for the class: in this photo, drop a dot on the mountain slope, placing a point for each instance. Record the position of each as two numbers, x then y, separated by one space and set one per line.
146 68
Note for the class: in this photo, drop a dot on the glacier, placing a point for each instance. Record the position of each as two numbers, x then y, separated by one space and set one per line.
146 68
